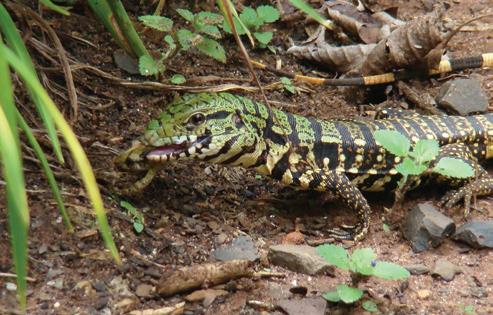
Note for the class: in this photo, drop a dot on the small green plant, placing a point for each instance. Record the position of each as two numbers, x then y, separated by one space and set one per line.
419 160
288 85
253 20
202 35
177 79
137 217
469 309
362 264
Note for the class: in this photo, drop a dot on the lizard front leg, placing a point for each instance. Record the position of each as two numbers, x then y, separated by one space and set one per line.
351 196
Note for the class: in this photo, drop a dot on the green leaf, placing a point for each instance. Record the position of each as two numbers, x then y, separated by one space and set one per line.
361 261
267 13
138 226
288 85
209 18
348 294
212 49
469 309
212 31
370 306
157 22
425 150
393 141
186 14
409 167
187 39
336 255
177 79
332 296
385 228
148 66
263 37
250 18
452 167
390 271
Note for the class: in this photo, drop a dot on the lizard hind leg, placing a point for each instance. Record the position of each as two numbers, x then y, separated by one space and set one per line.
353 198
479 185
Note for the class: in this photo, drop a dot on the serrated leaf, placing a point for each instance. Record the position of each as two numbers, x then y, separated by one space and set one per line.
393 141
177 79
452 167
370 306
267 13
390 271
361 261
186 14
148 66
348 294
250 18
209 18
212 31
332 296
335 255
212 49
186 38
157 22
263 37
425 150
409 167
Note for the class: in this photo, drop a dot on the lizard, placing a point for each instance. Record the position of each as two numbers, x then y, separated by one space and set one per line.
324 155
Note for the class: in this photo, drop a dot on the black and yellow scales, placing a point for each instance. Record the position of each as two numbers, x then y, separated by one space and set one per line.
324 155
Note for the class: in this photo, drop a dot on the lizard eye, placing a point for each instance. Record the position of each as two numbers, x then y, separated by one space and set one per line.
197 119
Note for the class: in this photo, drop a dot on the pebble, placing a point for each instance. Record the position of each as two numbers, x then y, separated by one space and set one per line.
243 247
424 294
463 96
478 234
10 286
299 258
417 269
445 269
144 290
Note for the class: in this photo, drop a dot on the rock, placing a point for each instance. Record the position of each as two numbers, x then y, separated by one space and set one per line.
423 294
477 234
101 302
200 295
463 96
241 247
312 306
295 238
10 286
417 269
425 226
445 269
99 286
126 62
299 258
144 290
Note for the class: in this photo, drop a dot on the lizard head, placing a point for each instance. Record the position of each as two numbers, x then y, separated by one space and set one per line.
205 126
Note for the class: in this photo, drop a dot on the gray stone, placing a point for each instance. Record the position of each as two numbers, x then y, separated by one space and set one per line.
417 269
477 234
242 247
126 62
425 226
299 258
445 269
312 306
463 96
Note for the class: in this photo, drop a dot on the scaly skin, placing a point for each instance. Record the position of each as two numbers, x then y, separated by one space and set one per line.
337 155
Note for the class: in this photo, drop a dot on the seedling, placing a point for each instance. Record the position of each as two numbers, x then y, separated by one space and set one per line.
362 264
288 85
254 20
202 36
137 217
417 161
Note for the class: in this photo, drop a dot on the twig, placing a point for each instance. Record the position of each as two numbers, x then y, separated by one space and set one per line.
13 275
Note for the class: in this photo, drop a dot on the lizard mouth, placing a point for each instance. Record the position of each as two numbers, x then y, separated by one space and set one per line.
178 147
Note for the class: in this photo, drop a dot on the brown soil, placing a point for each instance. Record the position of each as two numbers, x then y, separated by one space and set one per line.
190 207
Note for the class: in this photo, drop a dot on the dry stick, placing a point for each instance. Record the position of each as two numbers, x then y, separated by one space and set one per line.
229 16
62 54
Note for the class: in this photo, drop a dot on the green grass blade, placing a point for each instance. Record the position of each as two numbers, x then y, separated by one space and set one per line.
311 12
46 169
14 177
78 154
14 40
54 7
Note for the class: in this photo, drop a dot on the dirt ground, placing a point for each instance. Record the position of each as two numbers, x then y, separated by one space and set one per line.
193 208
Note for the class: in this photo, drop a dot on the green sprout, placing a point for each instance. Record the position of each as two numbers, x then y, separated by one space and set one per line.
362 264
